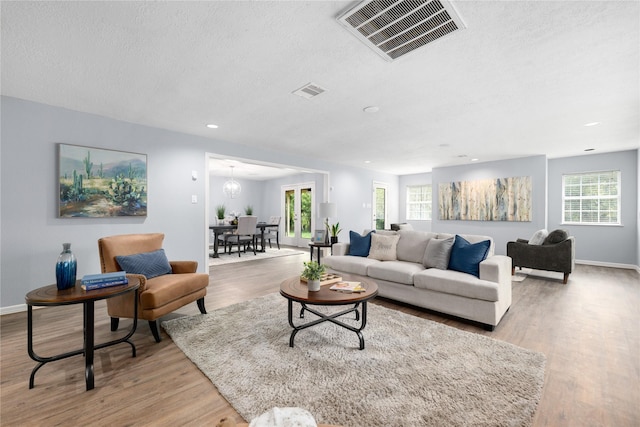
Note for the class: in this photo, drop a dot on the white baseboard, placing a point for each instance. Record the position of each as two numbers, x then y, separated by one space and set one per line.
13 309
609 264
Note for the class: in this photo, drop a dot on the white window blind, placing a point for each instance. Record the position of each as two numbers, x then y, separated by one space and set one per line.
591 198
419 202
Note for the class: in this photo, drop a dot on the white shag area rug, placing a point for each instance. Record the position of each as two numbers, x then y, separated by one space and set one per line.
412 372
249 256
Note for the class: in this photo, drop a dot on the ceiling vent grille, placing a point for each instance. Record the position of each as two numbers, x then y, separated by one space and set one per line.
309 91
393 28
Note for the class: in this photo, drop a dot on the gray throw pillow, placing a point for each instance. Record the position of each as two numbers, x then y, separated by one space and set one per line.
383 248
538 237
437 253
149 264
556 236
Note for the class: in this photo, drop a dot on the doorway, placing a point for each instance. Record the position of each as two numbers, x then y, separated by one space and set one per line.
298 213
380 201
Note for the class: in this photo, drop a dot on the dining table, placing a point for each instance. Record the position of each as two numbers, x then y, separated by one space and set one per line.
226 228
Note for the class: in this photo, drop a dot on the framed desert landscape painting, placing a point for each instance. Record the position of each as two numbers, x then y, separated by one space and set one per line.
99 183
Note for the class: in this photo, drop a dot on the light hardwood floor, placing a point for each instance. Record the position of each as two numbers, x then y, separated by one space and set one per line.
588 330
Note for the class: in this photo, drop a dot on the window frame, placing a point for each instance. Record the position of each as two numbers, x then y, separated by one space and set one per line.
428 203
597 198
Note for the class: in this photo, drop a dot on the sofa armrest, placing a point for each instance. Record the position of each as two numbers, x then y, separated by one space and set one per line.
143 282
181 267
340 248
497 269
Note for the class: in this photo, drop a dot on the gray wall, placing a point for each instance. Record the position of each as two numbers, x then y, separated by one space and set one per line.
600 243
501 231
31 235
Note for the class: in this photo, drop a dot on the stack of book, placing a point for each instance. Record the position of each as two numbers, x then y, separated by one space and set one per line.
99 281
348 287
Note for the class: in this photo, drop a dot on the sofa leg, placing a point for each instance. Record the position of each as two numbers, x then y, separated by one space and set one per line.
154 330
566 278
489 328
115 321
200 303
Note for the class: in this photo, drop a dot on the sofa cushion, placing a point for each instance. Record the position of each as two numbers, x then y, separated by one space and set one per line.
412 245
466 257
359 245
149 264
538 237
171 287
556 236
473 238
383 247
395 271
437 253
456 283
349 264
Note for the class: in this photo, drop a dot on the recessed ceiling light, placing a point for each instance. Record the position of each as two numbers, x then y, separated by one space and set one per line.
592 124
367 161
212 126
474 160
371 109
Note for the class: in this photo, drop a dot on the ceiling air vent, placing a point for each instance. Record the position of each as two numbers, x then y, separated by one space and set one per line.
309 91
394 28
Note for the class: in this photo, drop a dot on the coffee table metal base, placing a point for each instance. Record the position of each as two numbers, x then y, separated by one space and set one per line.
322 317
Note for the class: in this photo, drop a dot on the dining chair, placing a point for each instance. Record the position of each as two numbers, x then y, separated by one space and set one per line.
274 232
244 235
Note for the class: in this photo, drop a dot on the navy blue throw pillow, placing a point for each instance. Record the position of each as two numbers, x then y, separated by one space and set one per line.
149 264
359 245
466 257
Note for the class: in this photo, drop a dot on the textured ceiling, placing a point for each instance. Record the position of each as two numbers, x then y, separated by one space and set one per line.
522 79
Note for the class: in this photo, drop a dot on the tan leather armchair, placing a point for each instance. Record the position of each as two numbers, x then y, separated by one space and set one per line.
157 296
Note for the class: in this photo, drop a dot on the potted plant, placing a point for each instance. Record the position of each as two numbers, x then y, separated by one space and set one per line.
334 231
220 211
313 272
248 210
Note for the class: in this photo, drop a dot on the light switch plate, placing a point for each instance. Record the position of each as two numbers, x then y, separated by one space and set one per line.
194 198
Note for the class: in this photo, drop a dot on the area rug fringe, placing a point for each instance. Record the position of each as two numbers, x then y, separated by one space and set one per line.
413 372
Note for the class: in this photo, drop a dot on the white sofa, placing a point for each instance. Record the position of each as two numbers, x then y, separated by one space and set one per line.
484 299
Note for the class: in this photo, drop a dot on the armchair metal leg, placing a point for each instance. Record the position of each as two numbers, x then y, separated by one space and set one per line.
114 323
154 330
201 306
566 278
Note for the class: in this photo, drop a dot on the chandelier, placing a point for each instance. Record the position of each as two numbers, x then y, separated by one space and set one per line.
231 188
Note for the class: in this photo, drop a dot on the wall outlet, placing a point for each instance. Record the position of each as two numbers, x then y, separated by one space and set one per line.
194 198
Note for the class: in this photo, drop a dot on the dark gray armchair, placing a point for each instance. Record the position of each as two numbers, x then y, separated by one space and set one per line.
556 253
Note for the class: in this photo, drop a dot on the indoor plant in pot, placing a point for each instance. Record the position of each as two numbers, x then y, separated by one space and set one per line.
334 230
313 272
220 211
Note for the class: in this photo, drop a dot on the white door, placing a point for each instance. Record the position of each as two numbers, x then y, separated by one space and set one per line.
298 214
380 198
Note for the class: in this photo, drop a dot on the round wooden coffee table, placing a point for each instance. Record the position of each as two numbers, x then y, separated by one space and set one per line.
294 289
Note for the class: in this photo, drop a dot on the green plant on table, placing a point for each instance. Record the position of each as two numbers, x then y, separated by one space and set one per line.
220 211
335 229
248 210
312 270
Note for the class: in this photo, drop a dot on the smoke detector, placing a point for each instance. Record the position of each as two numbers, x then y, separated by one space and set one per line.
393 28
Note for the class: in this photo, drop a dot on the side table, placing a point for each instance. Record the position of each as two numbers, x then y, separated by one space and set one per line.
319 246
51 296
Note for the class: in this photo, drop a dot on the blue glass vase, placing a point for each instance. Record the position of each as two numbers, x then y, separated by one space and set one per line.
66 268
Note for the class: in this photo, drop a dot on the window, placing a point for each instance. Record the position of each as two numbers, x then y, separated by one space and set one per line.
419 202
591 198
